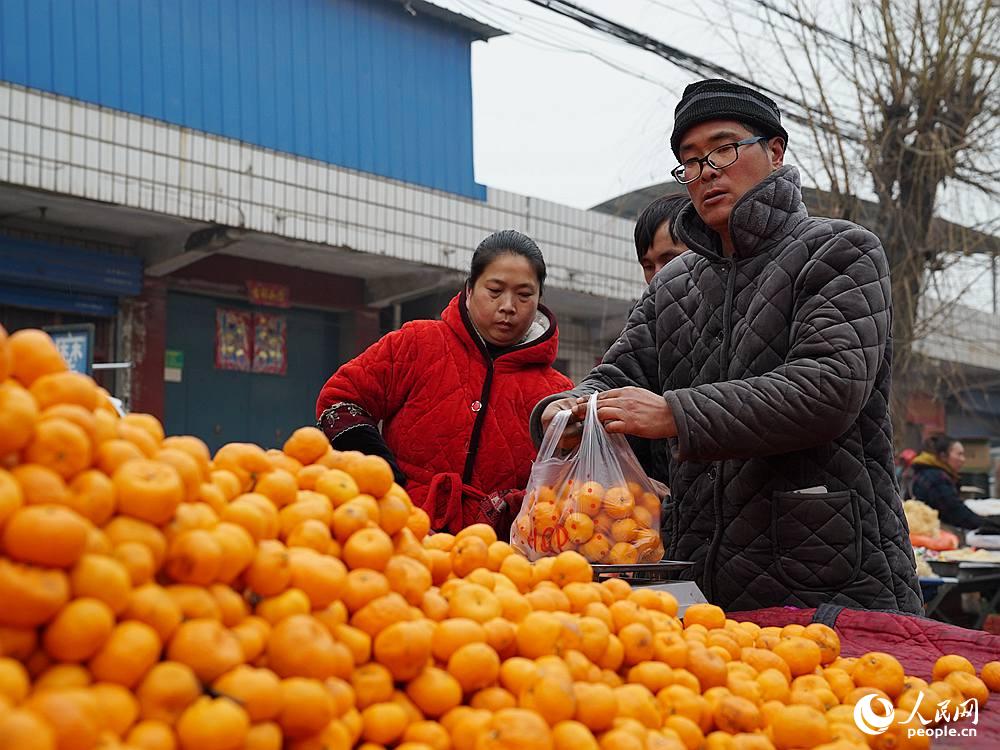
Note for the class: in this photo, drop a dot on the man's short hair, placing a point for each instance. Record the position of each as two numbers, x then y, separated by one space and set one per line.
666 208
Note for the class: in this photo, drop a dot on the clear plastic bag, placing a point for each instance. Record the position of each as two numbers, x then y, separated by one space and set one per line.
596 500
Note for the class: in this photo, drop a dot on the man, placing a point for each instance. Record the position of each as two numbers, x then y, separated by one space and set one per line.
656 241
763 356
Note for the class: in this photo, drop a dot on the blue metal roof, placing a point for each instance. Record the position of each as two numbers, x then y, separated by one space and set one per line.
366 85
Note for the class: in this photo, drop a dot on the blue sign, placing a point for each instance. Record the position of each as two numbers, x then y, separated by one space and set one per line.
76 345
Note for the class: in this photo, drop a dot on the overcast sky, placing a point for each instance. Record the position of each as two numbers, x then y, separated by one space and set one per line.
571 115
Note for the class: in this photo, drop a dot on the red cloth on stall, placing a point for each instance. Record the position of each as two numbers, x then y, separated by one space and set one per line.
916 641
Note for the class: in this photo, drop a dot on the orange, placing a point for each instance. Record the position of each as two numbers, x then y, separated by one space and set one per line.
258 691
270 572
92 495
127 654
267 736
306 707
435 692
707 666
307 476
31 595
105 425
551 698
104 578
246 461
194 447
475 666
41 485
73 713
403 647
597 548
33 354
252 636
237 550
151 604
623 553
736 714
290 602
337 485
60 445
637 702
969 686
14 680
368 548
306 445
11 496
320 577
137 560
798 726
949 663
429 733
408 578
212 724
206 646
637 640
618 503
18 414
707 615
166 690
990 675
419 523
802 655
383 723
571 567
493 699
372 474
148 490
121 529
228 483
372 683
652 674
299 646
259 521
596 705
25 730
139 437
451 634
515 729
62 676
147 423
468 554
79 630
194 557
878 670
475 602
362 586
152 735
381 612
827 640
49 535
280 460
187 467
65 388
279 486
572 735
112 454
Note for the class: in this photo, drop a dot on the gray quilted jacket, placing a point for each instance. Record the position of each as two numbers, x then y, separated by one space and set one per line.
776 364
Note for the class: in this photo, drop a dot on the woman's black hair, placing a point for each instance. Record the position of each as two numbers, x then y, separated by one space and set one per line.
939 445
666 208
507 242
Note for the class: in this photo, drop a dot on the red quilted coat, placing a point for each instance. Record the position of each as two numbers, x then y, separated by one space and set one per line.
455 419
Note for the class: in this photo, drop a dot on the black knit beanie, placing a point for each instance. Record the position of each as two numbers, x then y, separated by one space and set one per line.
716 99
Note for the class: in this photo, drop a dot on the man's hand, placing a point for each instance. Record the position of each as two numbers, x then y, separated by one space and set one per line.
571 435
632 411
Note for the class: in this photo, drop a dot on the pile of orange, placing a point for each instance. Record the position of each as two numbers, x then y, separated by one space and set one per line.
617 525
156 597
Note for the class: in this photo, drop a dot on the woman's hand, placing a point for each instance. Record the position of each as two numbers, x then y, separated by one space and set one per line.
632 411
571 435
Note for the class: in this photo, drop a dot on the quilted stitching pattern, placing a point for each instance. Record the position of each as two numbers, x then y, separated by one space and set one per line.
776 364
421 382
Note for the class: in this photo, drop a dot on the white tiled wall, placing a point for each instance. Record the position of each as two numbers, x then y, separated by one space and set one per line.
71 147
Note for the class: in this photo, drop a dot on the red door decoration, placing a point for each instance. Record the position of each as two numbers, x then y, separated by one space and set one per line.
232 339
270 344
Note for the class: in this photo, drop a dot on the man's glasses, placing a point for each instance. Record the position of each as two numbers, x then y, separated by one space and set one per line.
717 158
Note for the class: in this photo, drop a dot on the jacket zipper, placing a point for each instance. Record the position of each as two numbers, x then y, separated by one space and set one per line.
477 426
727 326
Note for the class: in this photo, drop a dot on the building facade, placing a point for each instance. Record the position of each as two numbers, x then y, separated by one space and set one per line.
218 202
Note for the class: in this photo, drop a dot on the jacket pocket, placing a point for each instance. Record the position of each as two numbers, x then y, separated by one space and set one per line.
816 539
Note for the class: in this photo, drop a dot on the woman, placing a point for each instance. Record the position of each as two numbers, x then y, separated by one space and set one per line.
454 395
936 482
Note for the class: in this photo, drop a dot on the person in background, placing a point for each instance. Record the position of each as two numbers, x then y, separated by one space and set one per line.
936 482
453 395
656 240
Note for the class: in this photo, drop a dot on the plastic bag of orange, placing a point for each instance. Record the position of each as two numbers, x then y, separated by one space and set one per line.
596 500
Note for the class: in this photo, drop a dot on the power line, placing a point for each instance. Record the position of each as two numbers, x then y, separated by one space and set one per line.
807 115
